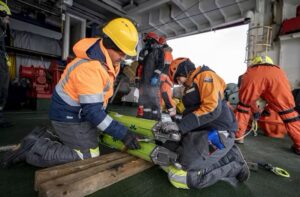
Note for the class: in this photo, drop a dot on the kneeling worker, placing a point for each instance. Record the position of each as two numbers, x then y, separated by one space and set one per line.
206 151
78 103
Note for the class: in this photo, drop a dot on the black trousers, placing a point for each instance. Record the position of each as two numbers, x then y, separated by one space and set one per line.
75 142
4 82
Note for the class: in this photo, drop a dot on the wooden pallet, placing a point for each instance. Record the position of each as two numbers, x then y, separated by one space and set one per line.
85 177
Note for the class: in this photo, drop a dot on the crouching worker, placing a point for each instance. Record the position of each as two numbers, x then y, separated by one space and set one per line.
206 151
266 80
78 103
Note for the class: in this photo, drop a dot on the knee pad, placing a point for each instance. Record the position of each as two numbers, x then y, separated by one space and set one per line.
177 177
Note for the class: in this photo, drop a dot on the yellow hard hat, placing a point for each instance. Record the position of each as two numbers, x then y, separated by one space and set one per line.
124 34
261 59
4 8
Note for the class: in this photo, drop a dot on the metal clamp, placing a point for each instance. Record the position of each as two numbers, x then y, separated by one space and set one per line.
163 136
164 157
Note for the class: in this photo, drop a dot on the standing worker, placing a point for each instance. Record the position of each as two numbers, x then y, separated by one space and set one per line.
4 72
79 101
166 84
151 60
266 80
139 70
206 151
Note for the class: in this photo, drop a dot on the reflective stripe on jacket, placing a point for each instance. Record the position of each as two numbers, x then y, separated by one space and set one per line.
85 87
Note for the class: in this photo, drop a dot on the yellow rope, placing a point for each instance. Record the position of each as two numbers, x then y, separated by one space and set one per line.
254 127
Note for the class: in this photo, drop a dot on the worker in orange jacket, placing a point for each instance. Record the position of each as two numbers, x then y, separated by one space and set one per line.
79 101
265 79
166 84
206 150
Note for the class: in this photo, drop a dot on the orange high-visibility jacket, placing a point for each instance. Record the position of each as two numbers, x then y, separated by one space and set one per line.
168 57
204 103
166 92
85 86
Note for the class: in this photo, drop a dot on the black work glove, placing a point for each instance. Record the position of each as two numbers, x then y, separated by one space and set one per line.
173 118
176 119
130 141
256 116
265 113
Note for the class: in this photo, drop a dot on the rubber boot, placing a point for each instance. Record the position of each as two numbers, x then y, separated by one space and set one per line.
295 150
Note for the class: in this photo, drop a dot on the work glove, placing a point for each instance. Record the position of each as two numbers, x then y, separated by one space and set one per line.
175 119
265 113
172 111
154 81
130 141
256 116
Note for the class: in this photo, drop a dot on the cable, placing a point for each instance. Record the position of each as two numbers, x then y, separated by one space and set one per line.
172 20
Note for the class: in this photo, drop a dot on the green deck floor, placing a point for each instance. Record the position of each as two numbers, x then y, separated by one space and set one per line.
18 180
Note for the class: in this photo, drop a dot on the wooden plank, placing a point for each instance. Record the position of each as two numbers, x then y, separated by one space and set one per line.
71 177
86 182
46 174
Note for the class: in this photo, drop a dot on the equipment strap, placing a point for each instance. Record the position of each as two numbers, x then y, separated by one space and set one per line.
244 105
286 111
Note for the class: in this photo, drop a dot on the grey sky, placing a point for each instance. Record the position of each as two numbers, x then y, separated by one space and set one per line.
223 51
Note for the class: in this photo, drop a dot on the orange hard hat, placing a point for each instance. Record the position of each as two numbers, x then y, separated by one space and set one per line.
174 67
162 40
153 36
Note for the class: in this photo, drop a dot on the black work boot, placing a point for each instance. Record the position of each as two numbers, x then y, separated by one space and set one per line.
244 174
19 153
295 150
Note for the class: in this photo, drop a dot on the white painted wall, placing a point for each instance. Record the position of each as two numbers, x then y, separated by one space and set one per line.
286 50
289 10
290 57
